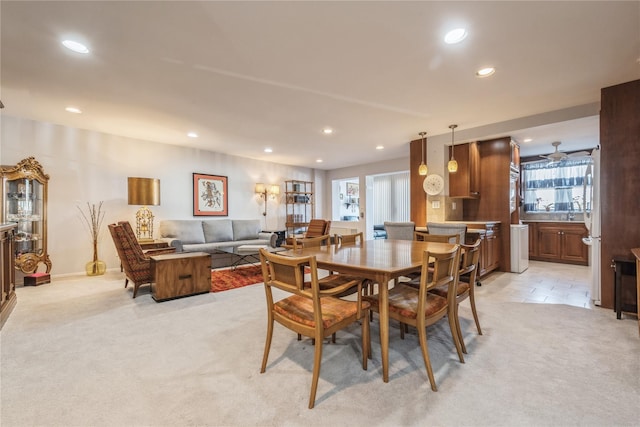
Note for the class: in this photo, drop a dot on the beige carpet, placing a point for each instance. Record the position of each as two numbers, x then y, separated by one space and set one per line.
82 352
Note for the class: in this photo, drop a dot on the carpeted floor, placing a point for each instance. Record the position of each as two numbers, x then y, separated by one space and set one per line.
223 280
82 352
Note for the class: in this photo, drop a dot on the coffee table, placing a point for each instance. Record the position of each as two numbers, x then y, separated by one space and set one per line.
248 253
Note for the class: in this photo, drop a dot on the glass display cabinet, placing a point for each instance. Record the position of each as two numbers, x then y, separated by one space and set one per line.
24 201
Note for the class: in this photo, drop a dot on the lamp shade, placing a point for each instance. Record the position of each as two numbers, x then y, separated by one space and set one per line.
143 191
260 188
275 189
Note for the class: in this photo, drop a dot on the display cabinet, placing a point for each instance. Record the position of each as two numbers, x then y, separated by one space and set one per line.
299 203
24 201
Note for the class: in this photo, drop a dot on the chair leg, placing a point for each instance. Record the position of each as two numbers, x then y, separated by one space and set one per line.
267 345
454 334
135 289
366 341
422 336
459 331
333 338
472 300
126 282
316 371
401 330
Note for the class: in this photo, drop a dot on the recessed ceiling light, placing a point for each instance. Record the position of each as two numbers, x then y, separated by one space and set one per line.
73 110
318 160
327 131
192 135
75 46
268 150
380 147
527 140
455 36
485 72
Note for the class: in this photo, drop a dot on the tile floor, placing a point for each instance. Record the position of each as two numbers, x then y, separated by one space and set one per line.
542 282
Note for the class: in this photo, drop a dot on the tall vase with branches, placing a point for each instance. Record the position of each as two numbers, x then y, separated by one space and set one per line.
93 220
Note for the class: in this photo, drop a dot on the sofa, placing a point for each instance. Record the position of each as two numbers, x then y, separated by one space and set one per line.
214 235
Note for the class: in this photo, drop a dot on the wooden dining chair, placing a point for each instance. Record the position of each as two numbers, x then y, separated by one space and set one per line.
465 289
422 236
419 308
349 239
312 242
308 310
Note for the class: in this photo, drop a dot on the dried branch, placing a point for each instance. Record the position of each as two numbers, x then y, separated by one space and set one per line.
93 220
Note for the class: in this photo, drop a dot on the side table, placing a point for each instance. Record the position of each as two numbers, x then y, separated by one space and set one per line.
180 275
155 244
625 285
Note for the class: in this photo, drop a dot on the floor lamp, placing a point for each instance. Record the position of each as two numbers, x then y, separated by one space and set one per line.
144 192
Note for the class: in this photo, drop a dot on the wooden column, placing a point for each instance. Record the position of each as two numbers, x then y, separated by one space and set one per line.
619 178
418 196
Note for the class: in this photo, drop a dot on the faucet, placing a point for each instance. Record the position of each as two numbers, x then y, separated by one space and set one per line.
570 216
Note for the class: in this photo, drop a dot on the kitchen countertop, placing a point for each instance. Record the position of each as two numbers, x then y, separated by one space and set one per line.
553 220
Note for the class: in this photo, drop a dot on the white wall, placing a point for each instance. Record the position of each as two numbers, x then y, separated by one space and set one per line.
86 166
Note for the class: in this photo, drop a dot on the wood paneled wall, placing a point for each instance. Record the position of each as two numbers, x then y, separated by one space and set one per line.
619 178
418 196
493 203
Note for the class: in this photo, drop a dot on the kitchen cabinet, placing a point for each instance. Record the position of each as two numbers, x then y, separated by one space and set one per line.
559 242
489 250
465 183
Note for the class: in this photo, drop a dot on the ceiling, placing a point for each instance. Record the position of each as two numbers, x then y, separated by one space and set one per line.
250 75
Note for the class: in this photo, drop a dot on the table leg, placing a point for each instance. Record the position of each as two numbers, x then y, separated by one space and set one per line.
383 284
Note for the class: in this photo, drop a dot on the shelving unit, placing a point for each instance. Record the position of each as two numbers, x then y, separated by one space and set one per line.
24 201
299 201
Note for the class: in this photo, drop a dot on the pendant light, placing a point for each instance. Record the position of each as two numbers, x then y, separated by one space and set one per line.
422 170
452 166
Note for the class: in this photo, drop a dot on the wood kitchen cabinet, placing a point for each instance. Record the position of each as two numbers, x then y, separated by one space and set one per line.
489 259
465 183
559 242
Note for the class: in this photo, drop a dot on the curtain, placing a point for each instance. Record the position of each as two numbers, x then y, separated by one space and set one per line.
562 177
391 197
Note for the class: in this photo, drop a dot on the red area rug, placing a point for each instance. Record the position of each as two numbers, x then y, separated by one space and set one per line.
223 280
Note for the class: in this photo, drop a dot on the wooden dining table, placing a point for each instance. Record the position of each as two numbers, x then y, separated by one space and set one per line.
381 261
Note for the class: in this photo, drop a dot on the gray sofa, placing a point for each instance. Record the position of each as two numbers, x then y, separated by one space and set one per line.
196 235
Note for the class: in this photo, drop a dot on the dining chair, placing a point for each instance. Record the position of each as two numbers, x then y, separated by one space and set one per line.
419 308
349 239
465 289
400 230
447 228
422 236
318 227
308 310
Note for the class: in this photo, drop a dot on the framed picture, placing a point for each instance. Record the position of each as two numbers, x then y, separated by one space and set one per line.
353 190
210 195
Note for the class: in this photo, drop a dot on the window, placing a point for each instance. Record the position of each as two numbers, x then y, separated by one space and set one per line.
554 187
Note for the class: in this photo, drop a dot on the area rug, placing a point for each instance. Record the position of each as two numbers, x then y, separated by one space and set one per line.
223 280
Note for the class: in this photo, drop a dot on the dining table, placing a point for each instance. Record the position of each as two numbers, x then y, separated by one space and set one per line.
381 261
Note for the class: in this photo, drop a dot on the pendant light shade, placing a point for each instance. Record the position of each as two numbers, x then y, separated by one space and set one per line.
422 170
452 166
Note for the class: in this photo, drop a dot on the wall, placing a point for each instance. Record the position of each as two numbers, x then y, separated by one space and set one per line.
86 166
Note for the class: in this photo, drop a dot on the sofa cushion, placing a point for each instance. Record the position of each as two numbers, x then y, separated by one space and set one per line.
188 231
246 229
217 230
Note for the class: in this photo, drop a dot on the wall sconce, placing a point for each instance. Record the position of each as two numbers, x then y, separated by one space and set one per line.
452 166
422 170
144 192
273 192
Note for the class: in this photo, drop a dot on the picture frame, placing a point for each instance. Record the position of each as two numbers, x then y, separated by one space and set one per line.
353 190
210 195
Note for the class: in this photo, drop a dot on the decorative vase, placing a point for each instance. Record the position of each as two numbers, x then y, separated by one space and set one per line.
95 267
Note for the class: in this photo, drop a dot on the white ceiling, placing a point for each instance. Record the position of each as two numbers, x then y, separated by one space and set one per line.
247 75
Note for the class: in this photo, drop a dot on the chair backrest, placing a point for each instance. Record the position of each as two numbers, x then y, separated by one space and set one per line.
349 239
135 267
445 269
422 236
447 228
470 257
318 227
287 273
400 230
312 242
131 236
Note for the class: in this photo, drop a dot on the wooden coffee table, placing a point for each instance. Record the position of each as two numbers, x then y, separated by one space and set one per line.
180 275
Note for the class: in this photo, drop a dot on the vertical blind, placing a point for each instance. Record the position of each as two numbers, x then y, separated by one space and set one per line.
391 197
